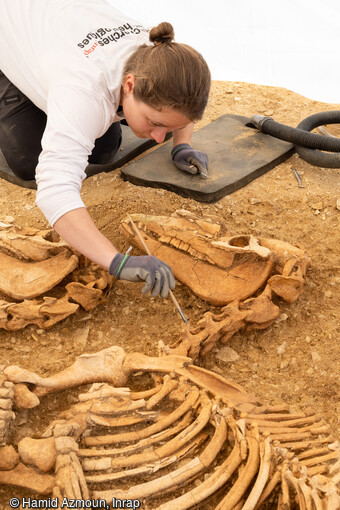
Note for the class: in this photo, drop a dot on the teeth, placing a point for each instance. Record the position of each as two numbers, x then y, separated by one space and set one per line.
184 246
181 245
165 239
195 254
175 242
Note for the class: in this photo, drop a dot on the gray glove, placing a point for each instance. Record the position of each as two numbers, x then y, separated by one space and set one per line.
157 275
184 156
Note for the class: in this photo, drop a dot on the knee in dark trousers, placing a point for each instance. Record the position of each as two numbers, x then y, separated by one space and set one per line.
22 125
106 146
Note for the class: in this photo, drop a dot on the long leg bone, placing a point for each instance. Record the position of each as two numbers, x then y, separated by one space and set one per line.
40 453
105 366
111 365
29 478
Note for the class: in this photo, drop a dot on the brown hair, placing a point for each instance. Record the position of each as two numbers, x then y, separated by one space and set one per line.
169 75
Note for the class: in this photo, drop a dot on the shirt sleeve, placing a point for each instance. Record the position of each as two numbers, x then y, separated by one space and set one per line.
76 117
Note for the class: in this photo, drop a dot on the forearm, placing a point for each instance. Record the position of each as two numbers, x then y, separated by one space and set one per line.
183 135
78 229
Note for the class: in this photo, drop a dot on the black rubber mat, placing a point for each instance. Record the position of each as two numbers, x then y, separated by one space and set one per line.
7 174
237 155
131 147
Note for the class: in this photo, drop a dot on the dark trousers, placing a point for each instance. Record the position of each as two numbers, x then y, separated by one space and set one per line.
22 125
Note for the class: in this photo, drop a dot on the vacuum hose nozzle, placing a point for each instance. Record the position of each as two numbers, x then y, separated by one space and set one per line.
259 120
310 146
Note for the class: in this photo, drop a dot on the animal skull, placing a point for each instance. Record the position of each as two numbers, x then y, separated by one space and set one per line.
216 266
241 272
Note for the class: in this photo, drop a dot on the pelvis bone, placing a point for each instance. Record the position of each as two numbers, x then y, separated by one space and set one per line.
189 439
32 264
216 266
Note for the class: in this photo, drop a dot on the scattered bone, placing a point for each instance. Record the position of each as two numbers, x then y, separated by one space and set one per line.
227 354
33 263
30 244
8 458
87 296
43 312
24 398
40 453
25 280
193 426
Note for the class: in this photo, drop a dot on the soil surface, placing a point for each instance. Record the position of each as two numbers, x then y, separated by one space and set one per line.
297 359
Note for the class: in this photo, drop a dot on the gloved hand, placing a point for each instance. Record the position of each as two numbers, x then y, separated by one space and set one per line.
157 275
184 156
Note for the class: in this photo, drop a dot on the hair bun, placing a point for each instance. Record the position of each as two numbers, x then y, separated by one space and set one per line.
163 33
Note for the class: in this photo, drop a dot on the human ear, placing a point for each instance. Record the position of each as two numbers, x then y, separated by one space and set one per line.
129 83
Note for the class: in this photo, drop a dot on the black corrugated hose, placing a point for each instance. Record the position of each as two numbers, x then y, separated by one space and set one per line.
308 145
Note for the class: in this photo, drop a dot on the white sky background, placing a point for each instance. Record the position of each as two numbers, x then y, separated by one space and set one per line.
285 43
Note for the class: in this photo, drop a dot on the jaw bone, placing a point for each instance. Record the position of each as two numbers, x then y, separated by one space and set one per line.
216 266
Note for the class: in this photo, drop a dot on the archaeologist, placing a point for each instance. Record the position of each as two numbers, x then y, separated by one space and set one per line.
69 73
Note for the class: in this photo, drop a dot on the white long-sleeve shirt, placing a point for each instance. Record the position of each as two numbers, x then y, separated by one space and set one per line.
67 56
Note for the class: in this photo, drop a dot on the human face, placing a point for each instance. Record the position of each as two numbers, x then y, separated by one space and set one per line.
145 121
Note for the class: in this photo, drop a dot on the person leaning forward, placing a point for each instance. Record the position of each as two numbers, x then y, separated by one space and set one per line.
69 72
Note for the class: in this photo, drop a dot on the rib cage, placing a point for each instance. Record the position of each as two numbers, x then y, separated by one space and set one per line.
210 448
191 439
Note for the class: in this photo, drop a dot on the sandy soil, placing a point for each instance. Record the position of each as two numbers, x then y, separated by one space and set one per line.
306 373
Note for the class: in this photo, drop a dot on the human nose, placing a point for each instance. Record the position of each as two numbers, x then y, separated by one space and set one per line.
158 134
